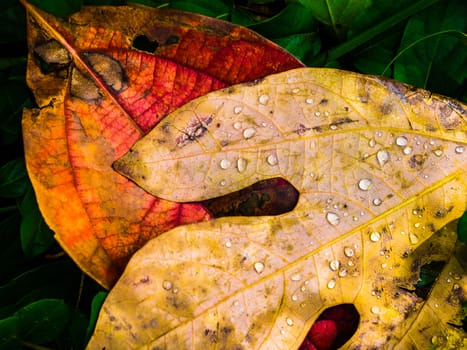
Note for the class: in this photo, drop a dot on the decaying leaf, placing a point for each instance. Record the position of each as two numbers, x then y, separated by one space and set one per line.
102 78
380 168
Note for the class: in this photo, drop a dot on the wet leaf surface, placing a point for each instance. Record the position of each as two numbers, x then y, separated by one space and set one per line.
102 78
379 167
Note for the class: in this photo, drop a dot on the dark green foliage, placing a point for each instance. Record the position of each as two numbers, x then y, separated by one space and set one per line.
44 298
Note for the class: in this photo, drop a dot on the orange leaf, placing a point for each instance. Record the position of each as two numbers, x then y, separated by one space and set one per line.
98 94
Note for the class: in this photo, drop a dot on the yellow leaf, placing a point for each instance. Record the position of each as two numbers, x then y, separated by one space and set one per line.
380 167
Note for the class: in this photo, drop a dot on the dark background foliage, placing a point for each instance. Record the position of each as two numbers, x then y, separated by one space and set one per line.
45 300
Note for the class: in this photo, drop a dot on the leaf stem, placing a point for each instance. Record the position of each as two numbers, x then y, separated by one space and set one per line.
369 34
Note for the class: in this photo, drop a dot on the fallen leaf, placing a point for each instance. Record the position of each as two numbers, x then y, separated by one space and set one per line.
102 78
380 167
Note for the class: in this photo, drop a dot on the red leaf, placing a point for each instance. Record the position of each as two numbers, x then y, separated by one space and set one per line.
98 95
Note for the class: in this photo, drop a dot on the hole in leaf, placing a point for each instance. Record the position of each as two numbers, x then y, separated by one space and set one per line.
268 197
428 275
142 43
333 328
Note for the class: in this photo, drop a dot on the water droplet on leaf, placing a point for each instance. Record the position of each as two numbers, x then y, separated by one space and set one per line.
241 164
331 284
333 218
348 252
382 156
258 266
334 265
248 133
459 149
224 164
272 159
401 141
413 238
375 236
364 184
263 99
238 109
377 201
296 277
167 285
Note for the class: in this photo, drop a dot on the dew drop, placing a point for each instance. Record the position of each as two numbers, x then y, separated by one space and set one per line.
237 125
295 91
309 101
377 201
289 321
382 156
401 141
334 265
272 159
342 272
384 265
375 310
372 143
364 184
413 238
228 244
333 127
407 150
333 218
223 183
296 277
263 99
348 252
459 149
350 263
375 236
167 285
241 164
258 266
317 114
238 109
438 152
224 164
294 297
248 133
331 284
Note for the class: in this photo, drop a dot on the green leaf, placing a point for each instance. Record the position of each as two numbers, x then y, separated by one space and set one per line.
302 46
378 11
36 236
13 179
337 14
60 8
374 58
97 302
59 279
293 19
74 336
432 41
9 329
462 228
43 320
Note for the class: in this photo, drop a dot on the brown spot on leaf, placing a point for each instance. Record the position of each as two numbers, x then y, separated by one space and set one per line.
417 161
83 87
442 212
385 108
108 69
